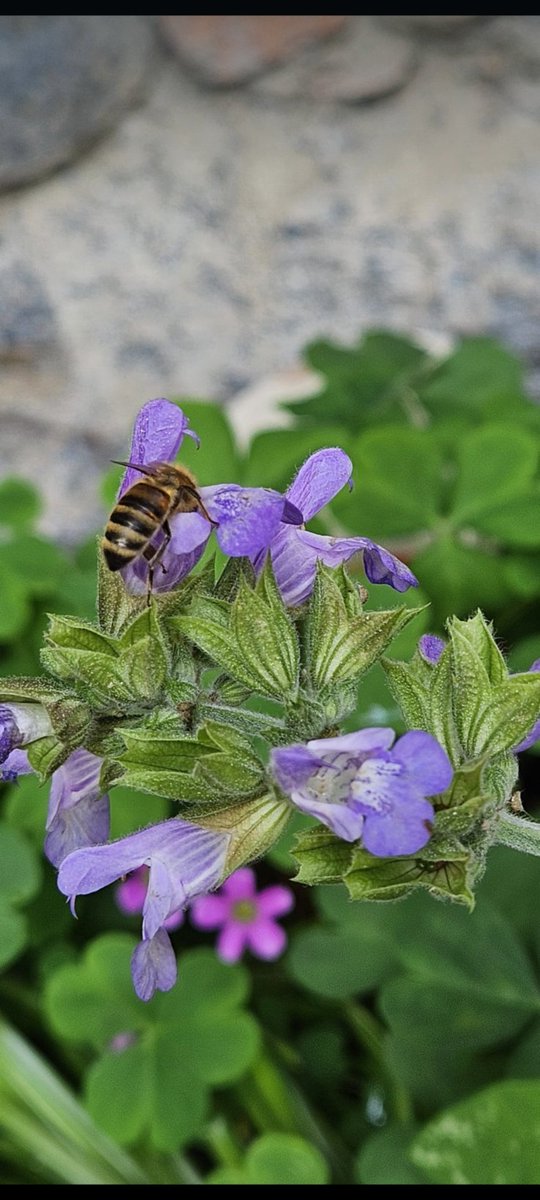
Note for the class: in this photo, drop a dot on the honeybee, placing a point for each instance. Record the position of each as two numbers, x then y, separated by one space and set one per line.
144 509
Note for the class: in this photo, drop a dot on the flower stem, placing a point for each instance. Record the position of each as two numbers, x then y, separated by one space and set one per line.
519 833
370 1035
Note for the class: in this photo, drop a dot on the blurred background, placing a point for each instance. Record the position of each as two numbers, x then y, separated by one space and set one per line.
186 201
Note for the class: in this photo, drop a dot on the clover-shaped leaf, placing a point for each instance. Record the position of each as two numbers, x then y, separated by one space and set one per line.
276 1158
157 1061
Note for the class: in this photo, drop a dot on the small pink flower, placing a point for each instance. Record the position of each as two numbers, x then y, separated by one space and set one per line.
245 918
131 894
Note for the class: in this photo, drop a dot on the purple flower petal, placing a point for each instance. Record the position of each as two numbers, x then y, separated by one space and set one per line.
177 566
153 966
189 531
361 742
194 859
320 479
275 901
266 939
403 829
87 823
247 518
293 766
342 820
15 764
232 941
295 553
426 763
209 912
160 428
79 812
241 885
431 647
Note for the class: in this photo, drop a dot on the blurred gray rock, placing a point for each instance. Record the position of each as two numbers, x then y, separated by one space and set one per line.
364 63
230 50
438 24
28 328
64 81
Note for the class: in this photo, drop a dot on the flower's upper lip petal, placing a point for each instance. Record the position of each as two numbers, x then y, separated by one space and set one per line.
361 741
160 427
320 479
294 765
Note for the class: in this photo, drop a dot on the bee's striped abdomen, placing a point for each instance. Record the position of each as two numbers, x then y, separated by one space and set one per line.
140 512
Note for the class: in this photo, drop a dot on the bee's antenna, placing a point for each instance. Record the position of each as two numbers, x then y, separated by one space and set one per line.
136 466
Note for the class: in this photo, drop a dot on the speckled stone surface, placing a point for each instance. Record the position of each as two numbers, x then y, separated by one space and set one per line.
210 235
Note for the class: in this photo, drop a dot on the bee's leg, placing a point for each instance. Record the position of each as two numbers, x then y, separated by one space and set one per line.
153 558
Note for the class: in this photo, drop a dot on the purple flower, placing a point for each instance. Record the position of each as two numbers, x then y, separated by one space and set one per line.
245 519
431 647
131 894
245 917
79 811
21 724
360 788
184 861
295 552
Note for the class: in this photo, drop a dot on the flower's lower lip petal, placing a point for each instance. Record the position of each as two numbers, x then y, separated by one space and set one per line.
231 942
157 436
379 564
247 519
153 966
266 939
345 823
16 763
425 761
404 829
188 530
320 479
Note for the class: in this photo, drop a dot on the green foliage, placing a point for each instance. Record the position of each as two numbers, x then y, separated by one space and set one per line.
158 1080
490 1138
276 1158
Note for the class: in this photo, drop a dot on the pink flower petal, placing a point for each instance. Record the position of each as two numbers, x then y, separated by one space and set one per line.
209 912
266 939
232 941
275 901
242 885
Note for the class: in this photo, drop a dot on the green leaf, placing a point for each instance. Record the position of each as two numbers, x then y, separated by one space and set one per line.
459 578
13 934
217 459
179 1045
399 483
285 1158
384 1157
321 857
115 605
366 383
496 463
266 637
276 455
517 524
216 765
492 1137
14 610
345 961
20 870
442 870
481 376
509 714
20 504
